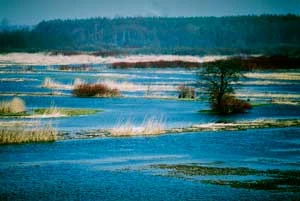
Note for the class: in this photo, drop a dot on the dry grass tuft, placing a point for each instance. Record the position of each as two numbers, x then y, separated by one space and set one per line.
128 86
50 84
16 105
150 126
123 128
78 81
20 134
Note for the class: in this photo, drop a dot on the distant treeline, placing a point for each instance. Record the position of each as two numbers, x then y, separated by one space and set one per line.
273 34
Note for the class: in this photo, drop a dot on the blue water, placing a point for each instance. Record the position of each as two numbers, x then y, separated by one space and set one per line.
94 169
118 168
175 113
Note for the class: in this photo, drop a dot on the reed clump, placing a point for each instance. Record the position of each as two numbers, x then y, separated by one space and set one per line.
20 134
150 126
51 84
16 105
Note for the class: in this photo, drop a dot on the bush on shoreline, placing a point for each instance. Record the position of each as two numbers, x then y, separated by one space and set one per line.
230 104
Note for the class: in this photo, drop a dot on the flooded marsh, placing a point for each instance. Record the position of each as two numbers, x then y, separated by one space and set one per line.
131 146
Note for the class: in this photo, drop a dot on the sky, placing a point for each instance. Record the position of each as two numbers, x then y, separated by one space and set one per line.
30 12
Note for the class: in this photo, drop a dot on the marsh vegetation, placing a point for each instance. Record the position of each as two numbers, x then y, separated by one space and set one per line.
95 90
14 107
276 180
236 152
21 134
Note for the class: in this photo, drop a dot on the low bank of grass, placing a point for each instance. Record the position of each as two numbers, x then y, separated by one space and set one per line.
156 126
44 112
238 125
20 134
65 111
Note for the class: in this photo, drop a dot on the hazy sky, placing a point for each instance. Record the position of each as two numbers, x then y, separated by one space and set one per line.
33 11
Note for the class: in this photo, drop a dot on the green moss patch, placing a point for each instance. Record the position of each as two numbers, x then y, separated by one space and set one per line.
18 114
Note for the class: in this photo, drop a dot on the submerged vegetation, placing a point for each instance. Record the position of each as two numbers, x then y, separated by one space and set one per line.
279 180
94 90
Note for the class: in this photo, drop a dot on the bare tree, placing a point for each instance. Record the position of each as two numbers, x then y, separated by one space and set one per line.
218 78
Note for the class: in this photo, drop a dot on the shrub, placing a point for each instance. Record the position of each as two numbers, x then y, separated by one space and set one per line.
98 90
230 104
16 105
186 92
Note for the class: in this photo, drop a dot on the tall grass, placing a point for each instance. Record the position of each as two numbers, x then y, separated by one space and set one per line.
153 126
16 105
78 81
128 86
20 134
96 90
51 84
150 126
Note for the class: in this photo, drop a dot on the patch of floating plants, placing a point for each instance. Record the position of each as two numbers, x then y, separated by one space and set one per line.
273 180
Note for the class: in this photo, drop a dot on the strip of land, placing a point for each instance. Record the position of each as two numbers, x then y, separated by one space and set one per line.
207 127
